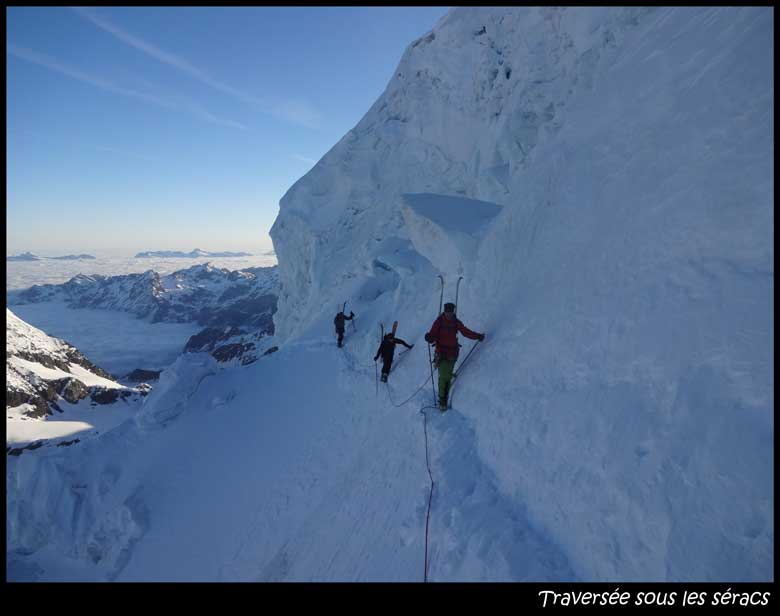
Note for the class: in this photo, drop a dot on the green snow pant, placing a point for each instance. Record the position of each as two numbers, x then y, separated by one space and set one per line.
445 378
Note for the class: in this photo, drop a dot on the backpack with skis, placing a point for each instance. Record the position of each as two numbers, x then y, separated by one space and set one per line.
387 349
338 322
443 334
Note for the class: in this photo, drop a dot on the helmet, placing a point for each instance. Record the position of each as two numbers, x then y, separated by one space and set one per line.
449 307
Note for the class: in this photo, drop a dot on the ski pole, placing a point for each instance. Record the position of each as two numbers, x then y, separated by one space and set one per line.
430 363
465 359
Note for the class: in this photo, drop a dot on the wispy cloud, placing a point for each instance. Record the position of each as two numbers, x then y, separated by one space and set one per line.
98 82
126 153
54 65
46 140
162 56
296 112
304 159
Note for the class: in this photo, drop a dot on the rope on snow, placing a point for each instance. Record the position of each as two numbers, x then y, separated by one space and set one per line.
430 494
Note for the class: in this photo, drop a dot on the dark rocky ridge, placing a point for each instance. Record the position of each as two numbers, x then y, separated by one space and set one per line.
140 375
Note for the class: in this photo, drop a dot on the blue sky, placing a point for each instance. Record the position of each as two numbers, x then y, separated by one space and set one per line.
153 128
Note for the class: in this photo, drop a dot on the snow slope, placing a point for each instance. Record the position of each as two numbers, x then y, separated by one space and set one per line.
286 464
602 179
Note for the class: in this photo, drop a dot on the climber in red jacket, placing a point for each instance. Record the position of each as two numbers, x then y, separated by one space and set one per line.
444 333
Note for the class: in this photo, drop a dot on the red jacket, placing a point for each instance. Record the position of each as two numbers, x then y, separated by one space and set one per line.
445 333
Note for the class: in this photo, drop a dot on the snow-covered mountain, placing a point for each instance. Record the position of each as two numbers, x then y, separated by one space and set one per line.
47 376
189 255
601 178
202 294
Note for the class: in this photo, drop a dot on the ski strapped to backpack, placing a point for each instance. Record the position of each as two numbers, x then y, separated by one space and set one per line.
457 291
352 320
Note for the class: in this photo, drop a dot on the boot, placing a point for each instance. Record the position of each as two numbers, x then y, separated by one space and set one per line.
384 378
442 405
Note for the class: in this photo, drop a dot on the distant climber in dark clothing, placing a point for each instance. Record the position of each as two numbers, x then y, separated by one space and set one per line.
387 350
339 323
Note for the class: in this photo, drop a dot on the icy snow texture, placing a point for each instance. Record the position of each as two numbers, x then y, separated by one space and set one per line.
447 230
631 152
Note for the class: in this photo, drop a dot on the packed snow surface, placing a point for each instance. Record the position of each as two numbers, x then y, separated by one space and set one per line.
80 421
601 178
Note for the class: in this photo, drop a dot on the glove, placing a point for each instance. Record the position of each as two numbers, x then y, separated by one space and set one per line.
375 357
352 314
428 338
481 337
411 346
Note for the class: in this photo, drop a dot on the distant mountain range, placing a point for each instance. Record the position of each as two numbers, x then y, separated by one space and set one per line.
74 257
203 294
189 255
28 256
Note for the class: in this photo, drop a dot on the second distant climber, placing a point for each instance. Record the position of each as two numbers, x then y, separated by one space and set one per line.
387 350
